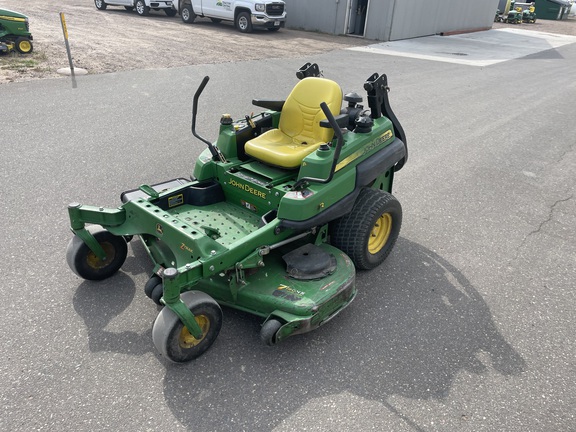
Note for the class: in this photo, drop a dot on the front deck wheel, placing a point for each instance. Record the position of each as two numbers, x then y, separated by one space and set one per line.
87 265
269 330
154 289
173 339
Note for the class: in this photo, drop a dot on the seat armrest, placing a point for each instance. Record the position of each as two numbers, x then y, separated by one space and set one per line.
274 105
341 120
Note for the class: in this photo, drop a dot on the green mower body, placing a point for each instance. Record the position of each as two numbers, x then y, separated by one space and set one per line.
529 15
280 243
15 31
514 17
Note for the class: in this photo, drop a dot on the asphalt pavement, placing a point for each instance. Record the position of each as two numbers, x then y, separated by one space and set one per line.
468 326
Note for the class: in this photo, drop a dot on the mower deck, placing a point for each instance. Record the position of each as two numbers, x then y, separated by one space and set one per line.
302 303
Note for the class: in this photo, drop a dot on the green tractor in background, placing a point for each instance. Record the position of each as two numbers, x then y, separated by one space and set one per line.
14 32
529 15
514 16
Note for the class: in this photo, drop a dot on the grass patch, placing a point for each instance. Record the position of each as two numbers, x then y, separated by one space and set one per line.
22 63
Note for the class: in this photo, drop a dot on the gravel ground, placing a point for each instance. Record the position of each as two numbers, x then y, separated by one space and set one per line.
118 40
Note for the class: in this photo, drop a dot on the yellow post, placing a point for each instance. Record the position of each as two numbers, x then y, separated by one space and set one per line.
65 32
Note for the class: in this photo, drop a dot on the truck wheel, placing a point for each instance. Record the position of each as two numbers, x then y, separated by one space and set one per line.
173 340
100 4
187 14
244 22
141 8
24 45
85 264
170 12
368 233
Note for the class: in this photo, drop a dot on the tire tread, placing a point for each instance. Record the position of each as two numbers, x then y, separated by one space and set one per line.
350 232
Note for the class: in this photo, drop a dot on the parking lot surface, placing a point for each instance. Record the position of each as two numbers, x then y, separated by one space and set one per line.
468 326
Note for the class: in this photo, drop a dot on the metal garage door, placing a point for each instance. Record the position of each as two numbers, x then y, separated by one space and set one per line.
415 18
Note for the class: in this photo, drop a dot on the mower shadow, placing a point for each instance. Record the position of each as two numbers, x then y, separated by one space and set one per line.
98 303
109 298
410 336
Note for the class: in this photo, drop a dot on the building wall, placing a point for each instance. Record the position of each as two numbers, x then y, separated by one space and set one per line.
393 19
467 15
326 16
379 20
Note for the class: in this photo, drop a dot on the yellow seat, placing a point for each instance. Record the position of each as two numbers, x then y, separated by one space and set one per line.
299 132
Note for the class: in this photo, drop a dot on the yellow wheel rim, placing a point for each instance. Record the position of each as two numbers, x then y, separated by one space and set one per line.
380 233
96 263
25 46
187 340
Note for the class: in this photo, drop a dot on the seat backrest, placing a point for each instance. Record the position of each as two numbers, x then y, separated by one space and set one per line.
301 114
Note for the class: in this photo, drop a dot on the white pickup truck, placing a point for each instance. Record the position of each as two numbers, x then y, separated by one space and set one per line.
142 6
246 14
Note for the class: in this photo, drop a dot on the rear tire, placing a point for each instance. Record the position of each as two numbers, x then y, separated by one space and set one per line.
170 12
368 233
141 8
100 4
187 14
